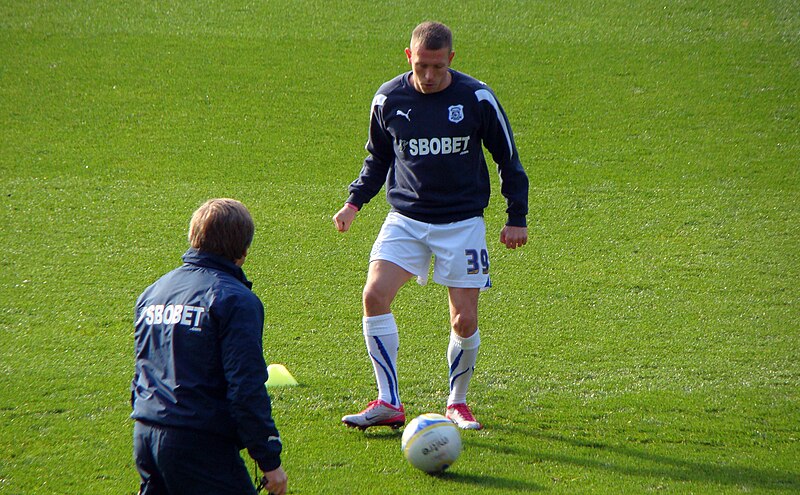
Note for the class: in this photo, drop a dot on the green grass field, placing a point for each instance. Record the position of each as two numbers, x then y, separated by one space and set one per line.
647 340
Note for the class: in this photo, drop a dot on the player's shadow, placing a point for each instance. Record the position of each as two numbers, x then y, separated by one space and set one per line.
382 433
497 483
646 464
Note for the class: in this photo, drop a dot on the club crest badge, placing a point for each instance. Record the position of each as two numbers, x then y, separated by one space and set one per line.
456 113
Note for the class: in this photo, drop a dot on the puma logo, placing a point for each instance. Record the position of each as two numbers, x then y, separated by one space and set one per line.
407 115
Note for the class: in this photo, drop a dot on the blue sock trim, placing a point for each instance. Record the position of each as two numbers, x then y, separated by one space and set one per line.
390 373
454 367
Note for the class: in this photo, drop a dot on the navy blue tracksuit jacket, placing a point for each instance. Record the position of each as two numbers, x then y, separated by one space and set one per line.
199 357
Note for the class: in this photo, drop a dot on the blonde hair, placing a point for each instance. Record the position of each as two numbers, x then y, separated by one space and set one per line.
432 36
222 226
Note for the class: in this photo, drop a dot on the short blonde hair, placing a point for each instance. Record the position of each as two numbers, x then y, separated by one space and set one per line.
222 226
432 35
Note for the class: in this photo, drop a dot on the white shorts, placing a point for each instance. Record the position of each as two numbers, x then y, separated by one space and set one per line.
458 248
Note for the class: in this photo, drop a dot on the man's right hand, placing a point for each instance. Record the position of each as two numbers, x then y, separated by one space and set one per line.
344 218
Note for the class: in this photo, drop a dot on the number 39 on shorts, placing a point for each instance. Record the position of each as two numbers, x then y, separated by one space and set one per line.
477 262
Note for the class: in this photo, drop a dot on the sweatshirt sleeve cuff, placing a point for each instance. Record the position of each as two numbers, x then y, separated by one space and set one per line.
270 464
355 201
267 456
517 221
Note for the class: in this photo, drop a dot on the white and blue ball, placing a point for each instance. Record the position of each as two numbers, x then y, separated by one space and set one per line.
431 443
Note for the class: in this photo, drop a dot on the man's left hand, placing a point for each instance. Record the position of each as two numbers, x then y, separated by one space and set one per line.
514 237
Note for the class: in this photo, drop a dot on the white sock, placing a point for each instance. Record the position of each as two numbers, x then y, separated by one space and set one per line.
461 355
382 339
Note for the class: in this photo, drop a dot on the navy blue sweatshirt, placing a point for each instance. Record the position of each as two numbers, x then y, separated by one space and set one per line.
199 358
428 150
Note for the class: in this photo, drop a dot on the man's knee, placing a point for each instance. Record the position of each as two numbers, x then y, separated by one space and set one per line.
375 302
465 324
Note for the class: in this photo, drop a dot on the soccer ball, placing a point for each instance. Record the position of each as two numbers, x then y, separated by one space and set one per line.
431 443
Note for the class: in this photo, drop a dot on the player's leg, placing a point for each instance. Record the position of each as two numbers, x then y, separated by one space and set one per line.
384 280
462 353
397 255
380 329
462 264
